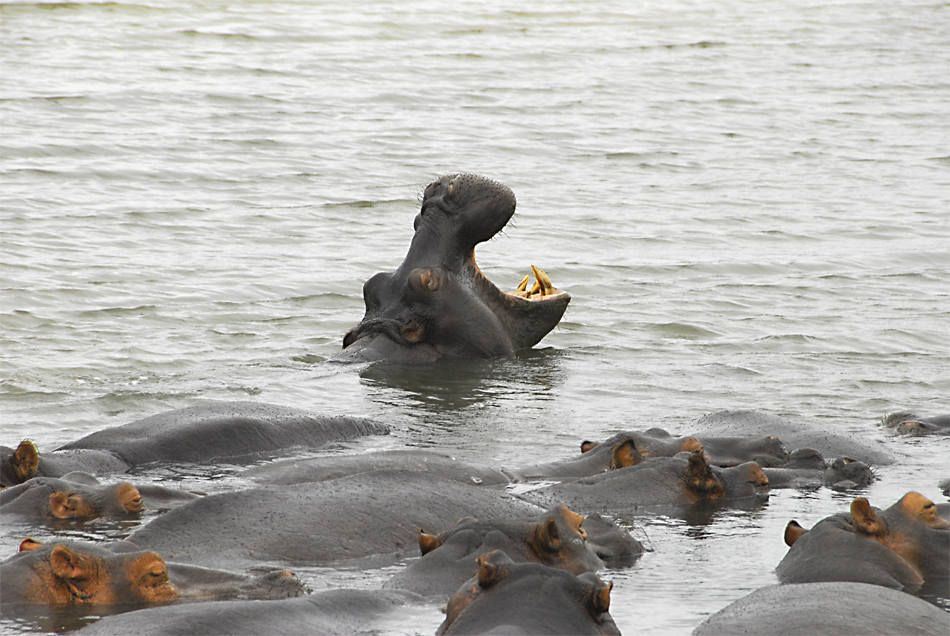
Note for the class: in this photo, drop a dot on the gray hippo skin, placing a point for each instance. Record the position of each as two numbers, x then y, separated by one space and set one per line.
297 471
95 576
217 430
793 433
806 468
902 547
81 496
338 612
438 303
376 513
657 482
528 598
556 538
905 423
842 609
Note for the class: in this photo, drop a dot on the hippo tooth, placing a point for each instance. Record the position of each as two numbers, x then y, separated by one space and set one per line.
547 288
523 285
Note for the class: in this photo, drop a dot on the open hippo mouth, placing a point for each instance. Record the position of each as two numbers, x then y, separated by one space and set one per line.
438 303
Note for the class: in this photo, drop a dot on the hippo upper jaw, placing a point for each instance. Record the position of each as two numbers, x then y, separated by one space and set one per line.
438 303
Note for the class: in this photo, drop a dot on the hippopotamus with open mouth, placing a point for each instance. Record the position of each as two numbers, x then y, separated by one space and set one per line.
438 303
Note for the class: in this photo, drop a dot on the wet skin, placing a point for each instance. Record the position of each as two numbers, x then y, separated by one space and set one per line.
339 611
825 608
906 423
556 538
902 547
437 303
720 451
296 471
794 434
657 482
217 430
68 573
353 517
806 468
76 498
528 598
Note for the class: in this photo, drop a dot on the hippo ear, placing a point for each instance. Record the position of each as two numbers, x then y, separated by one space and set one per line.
701 482
546 536
67 564
492 567
601 599
29 544
129 497
793 532
586 446
865 520
692 445
624 455
428 542
25 460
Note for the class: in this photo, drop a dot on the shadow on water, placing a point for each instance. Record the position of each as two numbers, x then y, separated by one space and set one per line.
450 386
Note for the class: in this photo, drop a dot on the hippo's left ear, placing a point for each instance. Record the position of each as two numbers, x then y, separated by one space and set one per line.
601 598
492 567
865 520
25 460
587 446
700 479
67 564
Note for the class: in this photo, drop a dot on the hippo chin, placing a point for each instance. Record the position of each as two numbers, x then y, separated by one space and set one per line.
438 303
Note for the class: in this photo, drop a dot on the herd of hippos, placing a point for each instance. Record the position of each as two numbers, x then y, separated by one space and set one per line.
501 560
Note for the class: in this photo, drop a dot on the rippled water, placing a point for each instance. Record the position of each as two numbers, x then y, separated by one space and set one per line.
747 201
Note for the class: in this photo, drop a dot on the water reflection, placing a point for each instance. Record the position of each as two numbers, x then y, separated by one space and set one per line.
453 385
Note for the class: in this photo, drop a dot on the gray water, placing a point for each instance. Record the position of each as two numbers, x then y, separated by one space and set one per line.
748 202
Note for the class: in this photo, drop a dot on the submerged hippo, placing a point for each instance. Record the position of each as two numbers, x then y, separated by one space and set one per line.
806 468
906 423
795 434
556 538
45 497
826 608
217 430
657 482
69 573
298 471
528 598
343 612
353 517
438 303
81 496
901 547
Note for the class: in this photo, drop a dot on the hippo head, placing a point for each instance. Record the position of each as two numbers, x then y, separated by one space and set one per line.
67 573
19 465
501 590
438 304
81 502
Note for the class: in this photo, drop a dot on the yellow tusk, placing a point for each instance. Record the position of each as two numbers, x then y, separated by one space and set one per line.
523 285
535 289
547 288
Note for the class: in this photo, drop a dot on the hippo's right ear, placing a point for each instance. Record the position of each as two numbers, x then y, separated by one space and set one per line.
625 454
865 520
67 564
601 599
428 542
692 445
793 532
29 544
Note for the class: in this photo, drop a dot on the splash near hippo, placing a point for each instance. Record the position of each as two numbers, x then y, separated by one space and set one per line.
438 303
